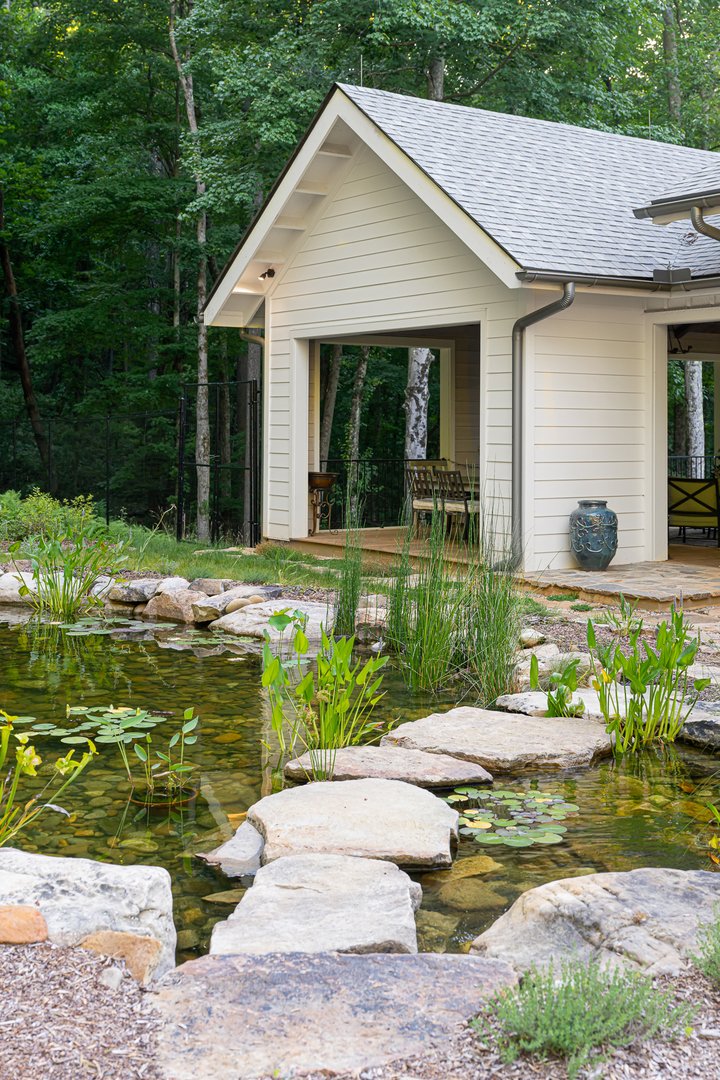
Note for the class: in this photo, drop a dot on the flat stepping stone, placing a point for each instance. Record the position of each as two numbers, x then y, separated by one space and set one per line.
505 742
323 903
240 855
702 726
371 819
644 919
282 1015
534 703
395 763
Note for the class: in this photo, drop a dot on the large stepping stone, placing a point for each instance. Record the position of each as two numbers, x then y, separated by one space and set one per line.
242 1017
322 903
395 763
240 855
80 899
534 703
645 919
702 726
505 742
253 621
371 819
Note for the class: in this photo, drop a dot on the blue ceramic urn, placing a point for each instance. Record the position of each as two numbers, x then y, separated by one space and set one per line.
593 534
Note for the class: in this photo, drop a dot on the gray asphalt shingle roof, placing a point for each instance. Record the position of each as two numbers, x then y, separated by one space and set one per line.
555 197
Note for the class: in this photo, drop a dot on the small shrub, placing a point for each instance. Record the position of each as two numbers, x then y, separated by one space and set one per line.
707 958
40 515
579 1014
646 693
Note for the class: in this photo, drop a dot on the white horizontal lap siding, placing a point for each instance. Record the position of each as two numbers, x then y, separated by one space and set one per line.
377 259
590 413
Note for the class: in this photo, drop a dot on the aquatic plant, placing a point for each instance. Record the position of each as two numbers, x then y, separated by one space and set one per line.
707 958
624 621
166 773
580 1013
65 569
563 682
325 708
516 819
19 811
119 726
349 586
646 693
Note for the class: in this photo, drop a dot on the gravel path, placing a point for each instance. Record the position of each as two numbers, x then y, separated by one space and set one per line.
693 1057
60 1021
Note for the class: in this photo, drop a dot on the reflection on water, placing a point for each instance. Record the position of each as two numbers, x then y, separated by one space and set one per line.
643 812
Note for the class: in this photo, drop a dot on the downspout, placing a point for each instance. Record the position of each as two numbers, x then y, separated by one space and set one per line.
518 394
700 225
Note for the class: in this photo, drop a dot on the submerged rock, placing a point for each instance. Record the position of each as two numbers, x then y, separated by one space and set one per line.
279 1014
646 919
239 856
372 819
395 763
319 903
505 742
80 897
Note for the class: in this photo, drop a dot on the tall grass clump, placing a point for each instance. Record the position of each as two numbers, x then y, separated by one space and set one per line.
349 586
456 623
707 958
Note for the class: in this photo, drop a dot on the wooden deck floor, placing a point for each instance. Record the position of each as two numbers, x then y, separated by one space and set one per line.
691 575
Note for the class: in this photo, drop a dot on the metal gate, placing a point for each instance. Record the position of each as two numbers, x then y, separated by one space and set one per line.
233 461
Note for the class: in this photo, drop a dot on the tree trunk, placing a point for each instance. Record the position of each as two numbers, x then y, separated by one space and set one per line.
329 398
672 72
353 437
202 417
17 336
417 393
694 418
436 79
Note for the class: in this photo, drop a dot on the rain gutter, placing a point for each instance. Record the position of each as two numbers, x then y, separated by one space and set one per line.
700 225
518 394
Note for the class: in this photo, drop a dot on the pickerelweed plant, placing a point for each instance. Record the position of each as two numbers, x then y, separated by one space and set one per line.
166 773
646 692
65 570
18 811
324 707
562 686
120 726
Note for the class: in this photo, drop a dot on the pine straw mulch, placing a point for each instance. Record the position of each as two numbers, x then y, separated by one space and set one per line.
60 1021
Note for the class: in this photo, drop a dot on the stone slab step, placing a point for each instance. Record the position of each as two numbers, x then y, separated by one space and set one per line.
242 1017
505 742
321 903
394 763
371 819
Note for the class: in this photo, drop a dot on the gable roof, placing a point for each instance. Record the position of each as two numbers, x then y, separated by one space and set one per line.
555 197
700 189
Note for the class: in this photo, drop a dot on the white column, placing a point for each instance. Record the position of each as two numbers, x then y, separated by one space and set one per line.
299 436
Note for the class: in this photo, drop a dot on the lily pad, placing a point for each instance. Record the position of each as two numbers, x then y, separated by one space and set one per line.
513 818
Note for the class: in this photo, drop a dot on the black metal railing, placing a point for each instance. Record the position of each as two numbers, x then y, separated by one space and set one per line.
375 485
696 466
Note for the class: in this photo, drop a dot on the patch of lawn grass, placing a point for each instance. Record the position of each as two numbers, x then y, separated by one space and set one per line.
581 607
530 606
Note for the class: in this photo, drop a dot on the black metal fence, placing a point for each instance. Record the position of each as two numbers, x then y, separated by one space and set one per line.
378 485
140 466
699 467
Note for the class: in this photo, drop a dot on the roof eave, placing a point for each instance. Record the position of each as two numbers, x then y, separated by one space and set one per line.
559 277
679 207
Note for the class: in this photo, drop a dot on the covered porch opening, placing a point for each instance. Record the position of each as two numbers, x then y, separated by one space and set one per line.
372 465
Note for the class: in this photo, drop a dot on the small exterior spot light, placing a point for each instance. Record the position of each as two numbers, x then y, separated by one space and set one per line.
269 273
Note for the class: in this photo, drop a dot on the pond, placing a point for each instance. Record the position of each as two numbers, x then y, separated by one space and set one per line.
646 811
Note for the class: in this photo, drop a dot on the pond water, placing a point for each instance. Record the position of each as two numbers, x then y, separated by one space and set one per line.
646 811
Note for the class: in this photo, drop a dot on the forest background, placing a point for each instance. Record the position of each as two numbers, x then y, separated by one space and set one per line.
139 137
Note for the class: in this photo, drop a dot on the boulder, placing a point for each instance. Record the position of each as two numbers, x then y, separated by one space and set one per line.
175 606
10 585
529 637
534 703
322 903
172 584
241 1017
139 952
133 592
644 919
239 856
395 763
253 621
212 607
79 897
372 819
21 924
505 742
210 586
702 726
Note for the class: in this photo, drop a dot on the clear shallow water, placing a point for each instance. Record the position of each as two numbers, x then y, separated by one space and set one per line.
644 812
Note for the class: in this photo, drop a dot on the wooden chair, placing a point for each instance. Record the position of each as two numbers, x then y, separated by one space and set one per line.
693 504
426 463
454 497
421 484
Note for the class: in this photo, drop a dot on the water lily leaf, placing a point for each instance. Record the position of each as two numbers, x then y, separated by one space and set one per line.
547 838
487 838
518 841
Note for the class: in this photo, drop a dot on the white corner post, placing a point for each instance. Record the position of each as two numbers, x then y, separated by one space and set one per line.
299 437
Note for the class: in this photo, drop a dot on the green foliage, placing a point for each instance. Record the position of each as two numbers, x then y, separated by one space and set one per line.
579 1013
66 568
40 515
559 598
516 819
645 692
563 682
581 607
624 621
707 958
349 586
323 709
166 773
18 807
